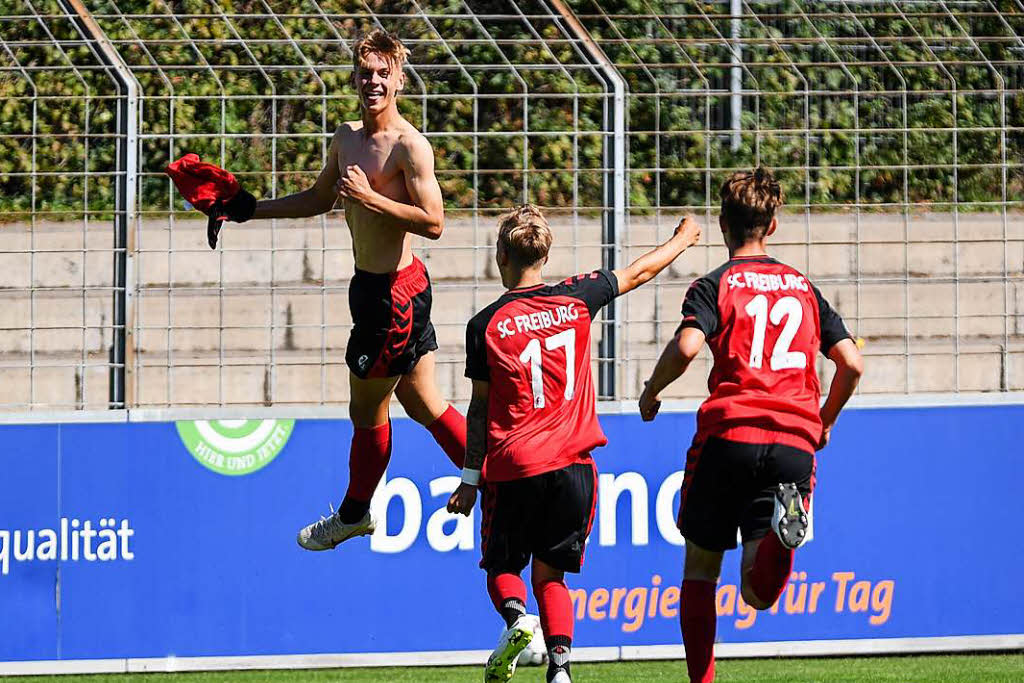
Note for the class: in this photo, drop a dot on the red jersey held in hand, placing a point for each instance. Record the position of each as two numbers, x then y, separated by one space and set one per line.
533 346
765 324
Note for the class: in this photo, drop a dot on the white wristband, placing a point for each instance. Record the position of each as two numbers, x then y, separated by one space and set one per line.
471 477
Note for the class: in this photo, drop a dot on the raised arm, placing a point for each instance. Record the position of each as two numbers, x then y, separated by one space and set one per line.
311 202
464 497
849 368
674 361
686 234
425 216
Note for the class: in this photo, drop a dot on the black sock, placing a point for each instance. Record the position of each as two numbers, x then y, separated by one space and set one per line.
559 651
351 511
512 609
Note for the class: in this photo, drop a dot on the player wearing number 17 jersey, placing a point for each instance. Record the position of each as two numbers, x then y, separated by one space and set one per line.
751 465
532 425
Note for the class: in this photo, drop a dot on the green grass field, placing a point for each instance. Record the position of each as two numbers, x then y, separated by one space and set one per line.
931 669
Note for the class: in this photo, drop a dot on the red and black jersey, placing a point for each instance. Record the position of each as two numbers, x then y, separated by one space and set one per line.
765 323
533 346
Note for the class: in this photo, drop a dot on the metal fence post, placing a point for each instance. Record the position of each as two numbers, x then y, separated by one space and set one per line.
736 75
122 347
613 221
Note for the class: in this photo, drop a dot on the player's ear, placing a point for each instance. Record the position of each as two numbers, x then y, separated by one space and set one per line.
725 229
401 81
500 256
772 227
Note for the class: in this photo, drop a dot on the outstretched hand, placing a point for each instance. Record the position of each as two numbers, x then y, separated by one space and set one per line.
462 500
354 185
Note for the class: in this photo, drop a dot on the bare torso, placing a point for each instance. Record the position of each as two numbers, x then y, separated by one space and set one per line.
379 244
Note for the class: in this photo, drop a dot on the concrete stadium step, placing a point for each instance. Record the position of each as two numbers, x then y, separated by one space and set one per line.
285 344
312 250
932 367
48 321
305 316
296 315
303 377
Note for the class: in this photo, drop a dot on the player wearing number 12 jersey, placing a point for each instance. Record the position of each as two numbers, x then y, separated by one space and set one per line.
532 425
751 465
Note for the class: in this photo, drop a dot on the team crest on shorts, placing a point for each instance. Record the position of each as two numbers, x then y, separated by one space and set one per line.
234 447
363 360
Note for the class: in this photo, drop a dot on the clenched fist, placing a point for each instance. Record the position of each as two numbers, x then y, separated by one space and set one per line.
689 230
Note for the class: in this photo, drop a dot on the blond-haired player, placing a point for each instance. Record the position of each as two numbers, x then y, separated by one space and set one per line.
383 169
532 427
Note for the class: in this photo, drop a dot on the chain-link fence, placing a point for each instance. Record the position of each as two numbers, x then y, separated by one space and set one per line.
896 129
60 141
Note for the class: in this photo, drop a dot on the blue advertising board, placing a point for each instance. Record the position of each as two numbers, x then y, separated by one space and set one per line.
157 539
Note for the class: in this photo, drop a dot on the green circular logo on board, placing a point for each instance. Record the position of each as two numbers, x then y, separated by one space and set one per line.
234 447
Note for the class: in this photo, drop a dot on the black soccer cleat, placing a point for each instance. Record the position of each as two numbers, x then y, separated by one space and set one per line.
790 520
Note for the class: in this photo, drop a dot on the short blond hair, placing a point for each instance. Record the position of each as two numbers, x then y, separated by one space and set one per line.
379 42
525 235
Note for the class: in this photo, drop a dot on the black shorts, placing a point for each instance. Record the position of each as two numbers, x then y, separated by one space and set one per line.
391 327
730 485
548 516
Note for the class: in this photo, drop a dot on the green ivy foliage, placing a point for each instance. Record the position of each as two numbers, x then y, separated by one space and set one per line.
867 118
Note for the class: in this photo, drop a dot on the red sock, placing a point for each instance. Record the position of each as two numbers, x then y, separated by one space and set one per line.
556 616
504 587
449 431
697 618
371 451
773 563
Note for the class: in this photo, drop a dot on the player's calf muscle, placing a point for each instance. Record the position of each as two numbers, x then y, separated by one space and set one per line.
750 597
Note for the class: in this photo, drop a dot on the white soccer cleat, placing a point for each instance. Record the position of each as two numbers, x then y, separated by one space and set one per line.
536 653
790 520
501 665
561 677
327 532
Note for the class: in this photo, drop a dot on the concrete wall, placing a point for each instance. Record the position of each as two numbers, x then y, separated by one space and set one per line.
270 307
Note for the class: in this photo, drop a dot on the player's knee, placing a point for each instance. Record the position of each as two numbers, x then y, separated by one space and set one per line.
542 573
701 565
702 569
366 416
538 582
419 414
424 409
701 573
751 598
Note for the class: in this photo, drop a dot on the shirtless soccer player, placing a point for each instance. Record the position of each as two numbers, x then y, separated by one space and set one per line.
383 169
751 465
532 426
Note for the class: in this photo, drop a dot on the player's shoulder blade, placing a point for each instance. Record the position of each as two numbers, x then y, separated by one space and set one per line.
596 288
483 317
714 276
708 285
579 279
508 303
532 297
